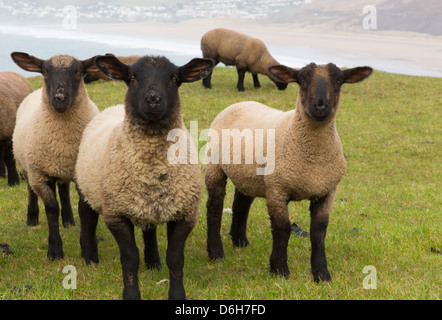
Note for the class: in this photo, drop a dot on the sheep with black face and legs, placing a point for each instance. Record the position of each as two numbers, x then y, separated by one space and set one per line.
13 89
124 170
246 53
47 134
308 162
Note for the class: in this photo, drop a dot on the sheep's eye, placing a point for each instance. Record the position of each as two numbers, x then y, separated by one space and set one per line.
132 78
174 79
338 83
45 73
78 74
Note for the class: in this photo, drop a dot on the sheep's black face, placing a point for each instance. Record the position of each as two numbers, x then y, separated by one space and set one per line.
152 88
153 83
62 76
320 86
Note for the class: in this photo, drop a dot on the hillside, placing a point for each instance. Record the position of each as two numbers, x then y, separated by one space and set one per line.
423 16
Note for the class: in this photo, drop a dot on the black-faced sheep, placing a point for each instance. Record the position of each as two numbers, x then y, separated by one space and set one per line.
94 74
307 162
125 174
48 131
236 49
13 89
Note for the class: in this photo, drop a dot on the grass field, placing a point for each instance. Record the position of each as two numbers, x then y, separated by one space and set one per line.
387 212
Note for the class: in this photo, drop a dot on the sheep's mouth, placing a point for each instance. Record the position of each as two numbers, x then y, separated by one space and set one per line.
60 107
154 115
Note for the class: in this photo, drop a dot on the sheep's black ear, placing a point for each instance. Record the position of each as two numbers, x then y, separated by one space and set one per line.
112 67
27 62
283 73
87 64
194 70
356 74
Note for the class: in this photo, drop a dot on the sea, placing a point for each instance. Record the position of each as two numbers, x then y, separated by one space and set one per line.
45 42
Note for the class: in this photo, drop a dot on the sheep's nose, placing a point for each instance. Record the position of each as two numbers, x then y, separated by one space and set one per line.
59 95
152 97
320 107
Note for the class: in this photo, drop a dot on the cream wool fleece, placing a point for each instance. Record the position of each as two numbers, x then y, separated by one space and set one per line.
309 161
123 171
45 143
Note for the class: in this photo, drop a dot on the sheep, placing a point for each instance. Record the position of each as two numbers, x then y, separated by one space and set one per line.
236 49
308 163
94 74
13 89
123 170
49 127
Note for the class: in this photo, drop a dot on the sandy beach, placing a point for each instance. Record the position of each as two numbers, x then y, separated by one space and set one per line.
364 46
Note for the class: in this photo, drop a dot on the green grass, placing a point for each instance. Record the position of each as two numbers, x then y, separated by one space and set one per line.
387 211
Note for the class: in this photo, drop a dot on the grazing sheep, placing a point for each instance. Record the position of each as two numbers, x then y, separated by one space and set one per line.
308 163
13 89
94 74
50 124
124 171
236 49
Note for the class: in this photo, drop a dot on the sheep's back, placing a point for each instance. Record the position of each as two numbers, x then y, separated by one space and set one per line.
223 45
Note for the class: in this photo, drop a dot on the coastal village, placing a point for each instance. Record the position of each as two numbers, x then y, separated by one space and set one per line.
105 12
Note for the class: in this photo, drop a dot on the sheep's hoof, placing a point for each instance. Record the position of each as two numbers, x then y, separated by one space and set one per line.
55 254
323 276
131 293
298 231
216 254
240 241
90 258
153 265
282 271
68 222
32 221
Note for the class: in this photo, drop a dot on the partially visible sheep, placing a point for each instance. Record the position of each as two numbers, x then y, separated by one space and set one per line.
94 74
308 162
49 127
236 49
13 89
124 171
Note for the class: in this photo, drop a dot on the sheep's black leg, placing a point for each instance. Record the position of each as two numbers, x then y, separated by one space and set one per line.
280 224
32 207
241 75
151 254
320 211
256 83
2 162
123 231
207 81
216 187
240 209
67 216
177 233
8 156
88 238
55 250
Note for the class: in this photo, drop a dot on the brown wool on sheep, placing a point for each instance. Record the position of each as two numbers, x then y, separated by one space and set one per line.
236 49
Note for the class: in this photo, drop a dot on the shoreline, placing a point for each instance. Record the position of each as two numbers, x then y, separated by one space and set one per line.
415 49
395 52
